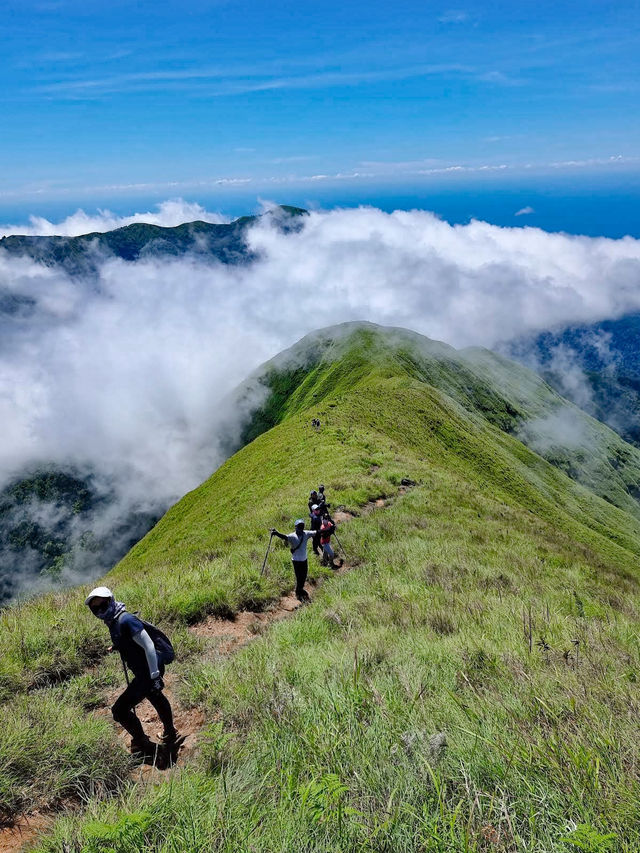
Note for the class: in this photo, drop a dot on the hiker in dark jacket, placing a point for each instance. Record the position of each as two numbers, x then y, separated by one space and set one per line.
297 542
138 652
322 498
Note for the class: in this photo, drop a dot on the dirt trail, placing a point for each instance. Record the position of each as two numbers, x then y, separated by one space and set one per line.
229 635
25 831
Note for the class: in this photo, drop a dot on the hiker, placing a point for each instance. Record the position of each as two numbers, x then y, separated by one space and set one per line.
297 542
316 520
322 498
313 499
327 529
146 660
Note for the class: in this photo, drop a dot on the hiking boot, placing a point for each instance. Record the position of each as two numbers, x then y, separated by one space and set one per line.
144 748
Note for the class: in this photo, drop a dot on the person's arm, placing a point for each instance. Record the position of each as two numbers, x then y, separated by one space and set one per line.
146 643
279 535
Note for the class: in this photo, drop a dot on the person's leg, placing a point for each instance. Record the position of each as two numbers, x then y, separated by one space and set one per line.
329 554
300 567
123 713
163 709
316 540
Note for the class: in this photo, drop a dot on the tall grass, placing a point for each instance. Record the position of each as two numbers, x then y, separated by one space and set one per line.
52 749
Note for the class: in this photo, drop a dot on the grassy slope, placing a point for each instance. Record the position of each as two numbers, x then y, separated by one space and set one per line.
506 394
324 740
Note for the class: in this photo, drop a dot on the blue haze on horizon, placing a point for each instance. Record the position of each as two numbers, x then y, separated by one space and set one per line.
477 109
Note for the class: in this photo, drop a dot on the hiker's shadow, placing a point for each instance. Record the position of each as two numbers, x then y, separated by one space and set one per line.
168 755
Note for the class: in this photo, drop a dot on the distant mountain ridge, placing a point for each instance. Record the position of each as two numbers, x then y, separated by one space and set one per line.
81 255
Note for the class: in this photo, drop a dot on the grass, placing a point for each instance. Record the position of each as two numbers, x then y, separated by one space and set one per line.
51 749
411 707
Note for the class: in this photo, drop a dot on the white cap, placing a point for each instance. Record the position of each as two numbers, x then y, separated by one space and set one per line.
99 592
315 506
300 521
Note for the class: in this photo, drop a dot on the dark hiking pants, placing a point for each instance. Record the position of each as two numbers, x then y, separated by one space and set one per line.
315 526
300 567
136 691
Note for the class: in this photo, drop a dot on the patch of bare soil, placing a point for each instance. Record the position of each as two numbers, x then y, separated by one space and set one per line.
234 633
188 722
343 514
24 831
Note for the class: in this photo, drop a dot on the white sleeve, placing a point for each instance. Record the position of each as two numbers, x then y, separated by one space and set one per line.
145 641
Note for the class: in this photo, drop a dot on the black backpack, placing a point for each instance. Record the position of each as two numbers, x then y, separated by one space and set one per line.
164 648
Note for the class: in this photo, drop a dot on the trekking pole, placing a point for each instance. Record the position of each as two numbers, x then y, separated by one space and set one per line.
264 562
124 667
341 548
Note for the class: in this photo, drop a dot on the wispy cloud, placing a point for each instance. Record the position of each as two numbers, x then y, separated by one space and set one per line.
240 80
60 56
593 161
499 78
295 158
524 211
367 170
457 167
454 16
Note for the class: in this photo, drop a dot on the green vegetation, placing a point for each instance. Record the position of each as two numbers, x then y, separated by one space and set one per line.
53 749
471 683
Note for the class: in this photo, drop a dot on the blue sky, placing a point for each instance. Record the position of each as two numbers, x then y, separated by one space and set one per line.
102 103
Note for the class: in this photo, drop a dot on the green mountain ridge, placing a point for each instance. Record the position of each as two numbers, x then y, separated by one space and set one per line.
82 255
508 395
469 684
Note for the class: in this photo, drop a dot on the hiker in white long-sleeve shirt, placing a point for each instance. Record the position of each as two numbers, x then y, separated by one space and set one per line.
297 542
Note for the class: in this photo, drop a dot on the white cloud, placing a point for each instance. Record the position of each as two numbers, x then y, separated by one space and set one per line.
168 214
130 376
524 211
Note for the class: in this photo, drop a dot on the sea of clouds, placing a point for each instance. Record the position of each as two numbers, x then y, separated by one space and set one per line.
126 376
